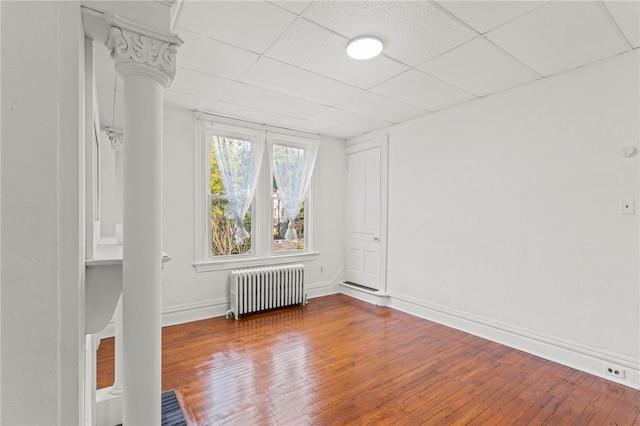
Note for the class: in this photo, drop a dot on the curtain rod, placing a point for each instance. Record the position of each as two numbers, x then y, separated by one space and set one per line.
197 111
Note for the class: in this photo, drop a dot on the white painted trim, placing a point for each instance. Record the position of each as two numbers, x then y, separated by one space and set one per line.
176 10
374 297
189 312
108 408
565 352
229 264
91 153
381 142
180 314
325 288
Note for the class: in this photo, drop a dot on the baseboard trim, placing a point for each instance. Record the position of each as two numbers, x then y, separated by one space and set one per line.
325 288
189 312
564 352
180 314
370 296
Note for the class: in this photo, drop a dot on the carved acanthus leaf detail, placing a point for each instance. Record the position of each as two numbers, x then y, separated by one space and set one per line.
126 45
116 137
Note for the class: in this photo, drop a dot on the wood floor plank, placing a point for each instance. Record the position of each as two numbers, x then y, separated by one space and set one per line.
339 361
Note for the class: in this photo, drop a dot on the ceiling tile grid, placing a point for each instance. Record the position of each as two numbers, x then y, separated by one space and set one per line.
268 101
376 106
251 25
483 16
419 89
314 48
196 83
328 129
479 67
294 6
182 100
213 57
413 31
277 76
559 36
283 62
248 113
627 16
350 120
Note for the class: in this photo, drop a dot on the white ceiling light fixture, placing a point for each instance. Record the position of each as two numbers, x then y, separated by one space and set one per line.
364 47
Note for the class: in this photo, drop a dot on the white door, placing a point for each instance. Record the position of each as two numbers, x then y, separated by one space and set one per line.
365 215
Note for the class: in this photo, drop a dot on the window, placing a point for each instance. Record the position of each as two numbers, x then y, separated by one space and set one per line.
292 161
252 193
235 158
222 228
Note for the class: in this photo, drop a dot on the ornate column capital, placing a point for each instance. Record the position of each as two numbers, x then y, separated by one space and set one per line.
142 51
116 137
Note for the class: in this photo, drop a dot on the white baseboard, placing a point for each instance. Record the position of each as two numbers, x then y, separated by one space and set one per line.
373 297
180 314
555 349
325 288
189 312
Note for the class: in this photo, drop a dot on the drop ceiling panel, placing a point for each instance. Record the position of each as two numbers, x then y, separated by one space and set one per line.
213 57
373 105
184 101
250 25
274 75
199 84
328 129
627 15
559 36
266 100
254 115
313 48
413 31
479 67
419 89
294 6
483 16
261 61
350 120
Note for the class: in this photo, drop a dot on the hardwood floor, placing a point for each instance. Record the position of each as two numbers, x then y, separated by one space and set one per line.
342 361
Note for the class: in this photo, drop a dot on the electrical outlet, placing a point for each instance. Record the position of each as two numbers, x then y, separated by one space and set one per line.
614 371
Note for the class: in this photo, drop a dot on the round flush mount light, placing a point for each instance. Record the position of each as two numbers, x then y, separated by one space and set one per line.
365 47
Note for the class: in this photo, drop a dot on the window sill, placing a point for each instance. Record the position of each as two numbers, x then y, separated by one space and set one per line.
109 253
227 264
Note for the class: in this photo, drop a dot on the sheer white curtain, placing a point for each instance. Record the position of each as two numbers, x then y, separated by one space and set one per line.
239 154
292 159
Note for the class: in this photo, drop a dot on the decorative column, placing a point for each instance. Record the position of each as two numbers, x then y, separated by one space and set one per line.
145 59
116 137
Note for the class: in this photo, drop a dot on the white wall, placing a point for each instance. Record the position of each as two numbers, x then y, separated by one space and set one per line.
188 294
42 325
514 230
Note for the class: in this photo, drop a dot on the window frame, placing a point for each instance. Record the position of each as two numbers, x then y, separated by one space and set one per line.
297 142
262 252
